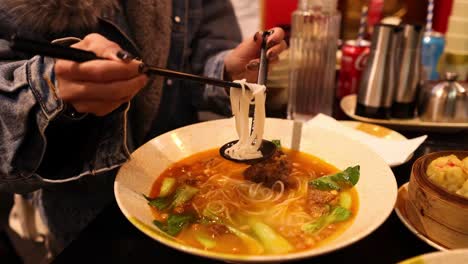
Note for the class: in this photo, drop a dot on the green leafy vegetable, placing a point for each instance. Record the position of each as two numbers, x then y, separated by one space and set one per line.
349 176
273 242
277 142
175 223
337 214
253 246
167 186
346 200
183 195
325 183
160 225
204 239
160 203
341 180
315 226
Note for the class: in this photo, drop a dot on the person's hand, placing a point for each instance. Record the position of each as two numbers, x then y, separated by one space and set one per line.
243 61
99 86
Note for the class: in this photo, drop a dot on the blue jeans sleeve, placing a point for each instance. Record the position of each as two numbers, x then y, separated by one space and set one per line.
28 102
38 149
216 97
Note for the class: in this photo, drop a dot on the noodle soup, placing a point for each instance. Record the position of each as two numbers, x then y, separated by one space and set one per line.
206 202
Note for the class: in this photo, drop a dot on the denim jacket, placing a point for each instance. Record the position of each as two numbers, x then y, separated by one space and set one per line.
72 163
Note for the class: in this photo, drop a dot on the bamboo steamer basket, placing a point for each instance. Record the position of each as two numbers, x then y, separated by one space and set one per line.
436 213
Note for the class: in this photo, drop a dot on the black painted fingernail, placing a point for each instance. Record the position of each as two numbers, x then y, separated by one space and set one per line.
125 56
255 36
270 32
252 66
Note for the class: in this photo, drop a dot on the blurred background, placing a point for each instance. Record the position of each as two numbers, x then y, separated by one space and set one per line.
254 15
278 13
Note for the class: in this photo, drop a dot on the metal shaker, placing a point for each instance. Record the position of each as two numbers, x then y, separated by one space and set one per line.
378 79
445 101
409 72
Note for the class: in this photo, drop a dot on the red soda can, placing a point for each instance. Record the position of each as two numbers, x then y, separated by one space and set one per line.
353 60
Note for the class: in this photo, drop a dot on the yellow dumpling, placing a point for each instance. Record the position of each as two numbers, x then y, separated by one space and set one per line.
465 167
451 173
454 178
464 190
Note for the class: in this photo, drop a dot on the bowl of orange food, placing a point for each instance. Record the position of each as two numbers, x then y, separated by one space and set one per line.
437 199
320 192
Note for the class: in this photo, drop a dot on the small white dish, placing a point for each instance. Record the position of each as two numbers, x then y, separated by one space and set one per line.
374 130
458 256
348 105
400 209
378 131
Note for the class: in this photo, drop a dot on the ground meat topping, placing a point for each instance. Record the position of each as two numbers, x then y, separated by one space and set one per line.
276 168
317 201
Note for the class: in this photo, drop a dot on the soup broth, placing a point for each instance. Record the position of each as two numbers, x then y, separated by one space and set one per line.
222 211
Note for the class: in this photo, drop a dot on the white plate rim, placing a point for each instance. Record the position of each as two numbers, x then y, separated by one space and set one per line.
412 228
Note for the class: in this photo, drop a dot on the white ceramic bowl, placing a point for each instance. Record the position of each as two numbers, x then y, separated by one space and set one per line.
377 188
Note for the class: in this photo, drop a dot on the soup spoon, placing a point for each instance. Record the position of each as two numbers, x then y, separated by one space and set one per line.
267 148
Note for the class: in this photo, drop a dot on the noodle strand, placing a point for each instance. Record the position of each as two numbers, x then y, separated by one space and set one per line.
248 145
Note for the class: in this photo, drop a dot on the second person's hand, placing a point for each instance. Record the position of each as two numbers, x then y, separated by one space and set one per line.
243 61
99 86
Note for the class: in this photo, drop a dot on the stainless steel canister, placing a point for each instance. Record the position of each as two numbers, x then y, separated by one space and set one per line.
445 101
409 72
378 79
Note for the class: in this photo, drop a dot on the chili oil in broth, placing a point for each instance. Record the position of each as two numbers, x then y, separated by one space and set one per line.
202 167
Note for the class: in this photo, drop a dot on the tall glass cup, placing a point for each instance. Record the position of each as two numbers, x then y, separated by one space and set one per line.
313 44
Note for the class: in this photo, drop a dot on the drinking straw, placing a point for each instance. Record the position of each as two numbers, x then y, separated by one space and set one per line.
430 15
362 24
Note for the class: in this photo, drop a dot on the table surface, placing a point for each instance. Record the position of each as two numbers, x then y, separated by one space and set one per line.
111 238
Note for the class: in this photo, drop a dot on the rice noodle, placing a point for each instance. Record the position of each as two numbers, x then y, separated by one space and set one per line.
248 145
228 197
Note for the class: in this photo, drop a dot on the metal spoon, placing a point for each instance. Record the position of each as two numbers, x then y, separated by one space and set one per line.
267 148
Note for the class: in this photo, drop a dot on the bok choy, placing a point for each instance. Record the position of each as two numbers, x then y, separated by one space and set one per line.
273 242
337 214
167 186
175 223
182 195
253 246
338 181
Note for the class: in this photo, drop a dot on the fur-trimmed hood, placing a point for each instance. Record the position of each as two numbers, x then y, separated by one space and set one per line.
57 15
